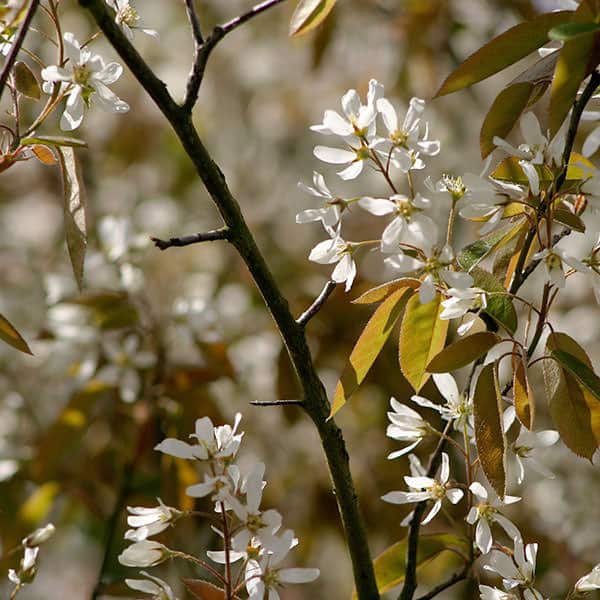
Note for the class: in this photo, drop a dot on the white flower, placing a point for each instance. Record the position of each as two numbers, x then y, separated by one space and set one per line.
527 442
404 143
427 488
336 250
518 571
330 214
87 78
213 443
553 260
6 43
359 121
263 576
461 301
458 407
490 593
146 553
485 513
406 425
354 158
39 536
253 521
128 19
159 589
149 521
589 582
409 226
27 567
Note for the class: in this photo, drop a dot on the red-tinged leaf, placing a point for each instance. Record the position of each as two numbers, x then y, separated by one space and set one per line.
12 337
509 47
522 92
390 565
422 336
381 292
44 154
577 58
369 345
575 412
309 14
463 352
204 590
489 435
74 210
522 392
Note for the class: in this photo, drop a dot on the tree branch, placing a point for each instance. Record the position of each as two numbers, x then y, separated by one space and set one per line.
314 398
192 14
316 306
196 238
204 51
276 403
16 46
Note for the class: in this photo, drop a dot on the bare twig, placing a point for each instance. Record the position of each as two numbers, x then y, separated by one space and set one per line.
445 585
316 306
203 53
276 403
16 46
196 238
192 14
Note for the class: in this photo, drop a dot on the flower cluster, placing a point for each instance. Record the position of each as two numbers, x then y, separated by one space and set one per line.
249 533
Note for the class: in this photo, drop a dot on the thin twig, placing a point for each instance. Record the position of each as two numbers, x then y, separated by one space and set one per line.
445 585
196 238
192 14
16 46
203 53
276 402
316 306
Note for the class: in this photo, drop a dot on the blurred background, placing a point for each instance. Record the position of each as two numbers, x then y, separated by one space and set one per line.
157 340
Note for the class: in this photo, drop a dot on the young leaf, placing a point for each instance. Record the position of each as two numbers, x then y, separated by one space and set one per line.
499 304
12 337
390 565
53 140
463 352
522 392
309 14
489 435
584 374
569 31
504 50
422 336
25 81
74 210
369 345
44 154
381 292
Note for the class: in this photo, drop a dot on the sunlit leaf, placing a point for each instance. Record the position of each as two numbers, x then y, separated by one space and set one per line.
463 352
53 140
522 392
12 337
504 50
369 345
44 154
390 565
381 292
39 503
499 304
569 31
489 435
309 14
74 210
422 336
26 82
584 374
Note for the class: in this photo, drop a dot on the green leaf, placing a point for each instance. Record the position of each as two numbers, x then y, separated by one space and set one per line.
53 140
577 58
369 345
569 31
390 565
504 50
309 14
489 435
381 292
463 352
26 82
571 220
422 336
584 374
522 92
575 412
499 303
12 337
74 210
522 392
474 253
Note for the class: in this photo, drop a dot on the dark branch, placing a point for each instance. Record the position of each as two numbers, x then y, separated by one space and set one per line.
16 46
192 14
204 51
444 586
276 403
196 238
316 306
